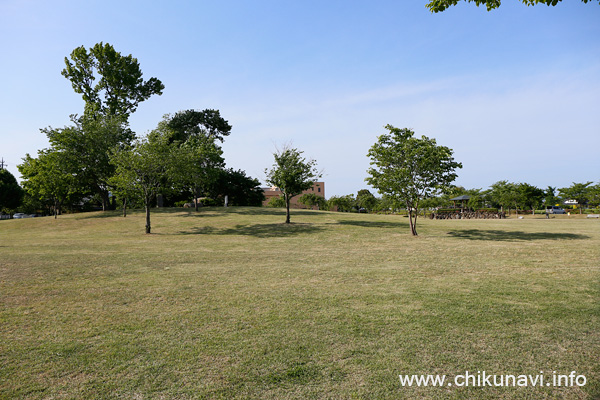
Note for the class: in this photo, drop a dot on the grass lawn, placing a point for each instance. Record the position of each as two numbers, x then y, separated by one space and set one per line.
234 304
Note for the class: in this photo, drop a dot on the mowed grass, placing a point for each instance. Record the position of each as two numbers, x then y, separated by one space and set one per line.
234 304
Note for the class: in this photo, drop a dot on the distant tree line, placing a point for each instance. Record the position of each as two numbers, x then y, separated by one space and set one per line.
503 195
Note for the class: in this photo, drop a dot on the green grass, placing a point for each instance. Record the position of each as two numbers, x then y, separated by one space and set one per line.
234 304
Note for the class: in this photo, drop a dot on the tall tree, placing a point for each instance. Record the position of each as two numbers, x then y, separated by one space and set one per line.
144 169
410 169
441 5
110 83
11 193
292 174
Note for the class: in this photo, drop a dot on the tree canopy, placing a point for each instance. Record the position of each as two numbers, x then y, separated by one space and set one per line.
292 174
11 193
410 169
189 123
441 5
109 83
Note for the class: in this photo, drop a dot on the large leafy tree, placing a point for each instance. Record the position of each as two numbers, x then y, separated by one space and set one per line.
550 197
88 143
577 191
144 169
109 83
49 179
410 169
292 174
530 197
200 157
11 193
505 194
240 189
441 5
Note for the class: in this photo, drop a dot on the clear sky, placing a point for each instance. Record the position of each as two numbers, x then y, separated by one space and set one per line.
515 92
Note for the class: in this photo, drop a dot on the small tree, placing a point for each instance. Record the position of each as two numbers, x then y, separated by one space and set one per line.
410 169
144 169
292 174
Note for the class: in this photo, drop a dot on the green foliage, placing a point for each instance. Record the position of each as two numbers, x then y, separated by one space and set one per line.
110 84
145 169
49 178
410 169
11 194
581 192
276 202
550 198
310 200
207 123
87 143
241 190
365 199
441 5
292 174
530 197
343 203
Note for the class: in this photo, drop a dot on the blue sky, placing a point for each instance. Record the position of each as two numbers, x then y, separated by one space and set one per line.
515 92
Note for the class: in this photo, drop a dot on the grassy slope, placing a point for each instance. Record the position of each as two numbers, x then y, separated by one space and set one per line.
234 304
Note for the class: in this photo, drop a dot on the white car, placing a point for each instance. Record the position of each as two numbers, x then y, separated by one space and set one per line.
555 210
19 215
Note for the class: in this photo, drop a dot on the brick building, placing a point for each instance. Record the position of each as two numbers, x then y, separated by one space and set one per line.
318 189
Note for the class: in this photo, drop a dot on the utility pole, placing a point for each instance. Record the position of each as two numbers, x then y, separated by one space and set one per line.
2 163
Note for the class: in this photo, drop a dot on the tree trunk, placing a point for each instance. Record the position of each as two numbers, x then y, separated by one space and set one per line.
105 199
148 216
287 209
196 199
124 207
413 224
55 209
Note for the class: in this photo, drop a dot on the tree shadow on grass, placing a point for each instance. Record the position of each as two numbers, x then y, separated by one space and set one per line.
513 236
258 230
373 224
